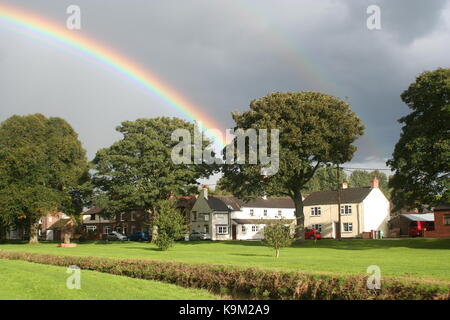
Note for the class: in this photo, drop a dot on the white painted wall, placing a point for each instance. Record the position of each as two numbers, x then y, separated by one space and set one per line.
376 211
258 213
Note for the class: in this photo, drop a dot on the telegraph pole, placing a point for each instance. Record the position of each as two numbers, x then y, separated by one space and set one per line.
338 231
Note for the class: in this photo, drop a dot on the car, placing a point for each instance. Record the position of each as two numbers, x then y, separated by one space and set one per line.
116 236
312 234
139 236
198 236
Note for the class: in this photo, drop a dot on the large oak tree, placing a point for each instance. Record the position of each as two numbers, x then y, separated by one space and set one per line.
138 171
315 130
421 159
43 168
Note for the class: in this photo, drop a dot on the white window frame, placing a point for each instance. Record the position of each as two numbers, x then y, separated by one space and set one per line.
222 229
252 212
349 227
243 229
316 211
446 219
91 228
106 229
255 228
280 213
317 226
121 216
346 210
206 217
265 212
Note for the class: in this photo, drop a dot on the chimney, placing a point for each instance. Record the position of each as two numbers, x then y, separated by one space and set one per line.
344 184
375 183
264 197
204 192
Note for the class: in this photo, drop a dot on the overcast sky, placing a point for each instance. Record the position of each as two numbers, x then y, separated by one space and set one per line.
222 54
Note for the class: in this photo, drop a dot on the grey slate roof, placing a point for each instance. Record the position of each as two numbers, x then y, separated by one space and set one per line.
419 216
260 221
349 195
234 204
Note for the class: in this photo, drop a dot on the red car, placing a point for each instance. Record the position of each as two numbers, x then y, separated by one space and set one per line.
312 234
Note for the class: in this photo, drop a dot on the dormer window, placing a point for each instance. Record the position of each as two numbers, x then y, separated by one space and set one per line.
92 217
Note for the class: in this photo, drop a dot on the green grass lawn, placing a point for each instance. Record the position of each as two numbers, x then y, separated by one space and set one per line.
415 258
25 280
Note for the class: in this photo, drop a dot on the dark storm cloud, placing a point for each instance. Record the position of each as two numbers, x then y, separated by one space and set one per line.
222 54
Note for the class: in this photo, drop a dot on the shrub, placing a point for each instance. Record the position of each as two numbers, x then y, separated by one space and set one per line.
248 282
278 235
170 225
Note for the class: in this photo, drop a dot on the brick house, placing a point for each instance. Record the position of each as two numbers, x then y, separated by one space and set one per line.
441 222
97 225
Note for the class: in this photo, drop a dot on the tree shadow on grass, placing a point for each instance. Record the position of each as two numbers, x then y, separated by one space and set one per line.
358 244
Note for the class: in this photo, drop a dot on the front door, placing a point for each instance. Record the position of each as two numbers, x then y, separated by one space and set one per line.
337 230
233 231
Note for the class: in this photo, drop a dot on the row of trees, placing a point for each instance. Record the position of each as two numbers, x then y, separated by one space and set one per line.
43 166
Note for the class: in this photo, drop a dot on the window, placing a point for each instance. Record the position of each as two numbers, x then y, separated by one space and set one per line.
280 213
206 217
92 217
316 211
265 213
318 227
91 228
348 227
132 213
194 213
206 228
255 228
222 229
122 216
252 212
106 229
244 229
50 219
447 219
346 210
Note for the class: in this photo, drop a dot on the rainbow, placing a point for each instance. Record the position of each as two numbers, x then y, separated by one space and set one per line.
38 26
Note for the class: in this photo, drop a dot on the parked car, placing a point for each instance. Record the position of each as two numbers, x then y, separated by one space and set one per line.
116 236
139 236
198 236
312 234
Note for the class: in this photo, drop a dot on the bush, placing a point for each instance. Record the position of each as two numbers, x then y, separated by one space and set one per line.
170 225
278 235
248 282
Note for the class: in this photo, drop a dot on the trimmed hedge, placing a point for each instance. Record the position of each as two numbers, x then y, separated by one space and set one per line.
246 283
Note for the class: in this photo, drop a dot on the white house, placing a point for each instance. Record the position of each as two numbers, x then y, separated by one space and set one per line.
229 218
362 210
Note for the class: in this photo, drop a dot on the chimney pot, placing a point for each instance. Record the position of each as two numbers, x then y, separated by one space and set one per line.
375 183
344 184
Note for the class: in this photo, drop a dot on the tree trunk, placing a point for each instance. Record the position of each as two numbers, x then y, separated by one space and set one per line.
300 216
33 232
66 236
277 253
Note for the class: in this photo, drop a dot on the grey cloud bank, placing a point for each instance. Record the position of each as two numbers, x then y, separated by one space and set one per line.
222 54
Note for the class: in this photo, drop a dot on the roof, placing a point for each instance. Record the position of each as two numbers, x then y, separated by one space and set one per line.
235 204
60 224
260 221
93 211
349 195
418 216
442 207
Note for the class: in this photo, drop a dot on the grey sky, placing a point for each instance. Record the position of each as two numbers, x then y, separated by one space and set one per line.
222 54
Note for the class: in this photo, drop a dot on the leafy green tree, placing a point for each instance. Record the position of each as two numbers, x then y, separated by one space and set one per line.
315 129
362 178
43 168
137 171
170 223
325 178
421 159
278 235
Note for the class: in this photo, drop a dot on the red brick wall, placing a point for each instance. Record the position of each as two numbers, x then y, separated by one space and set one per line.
441 230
